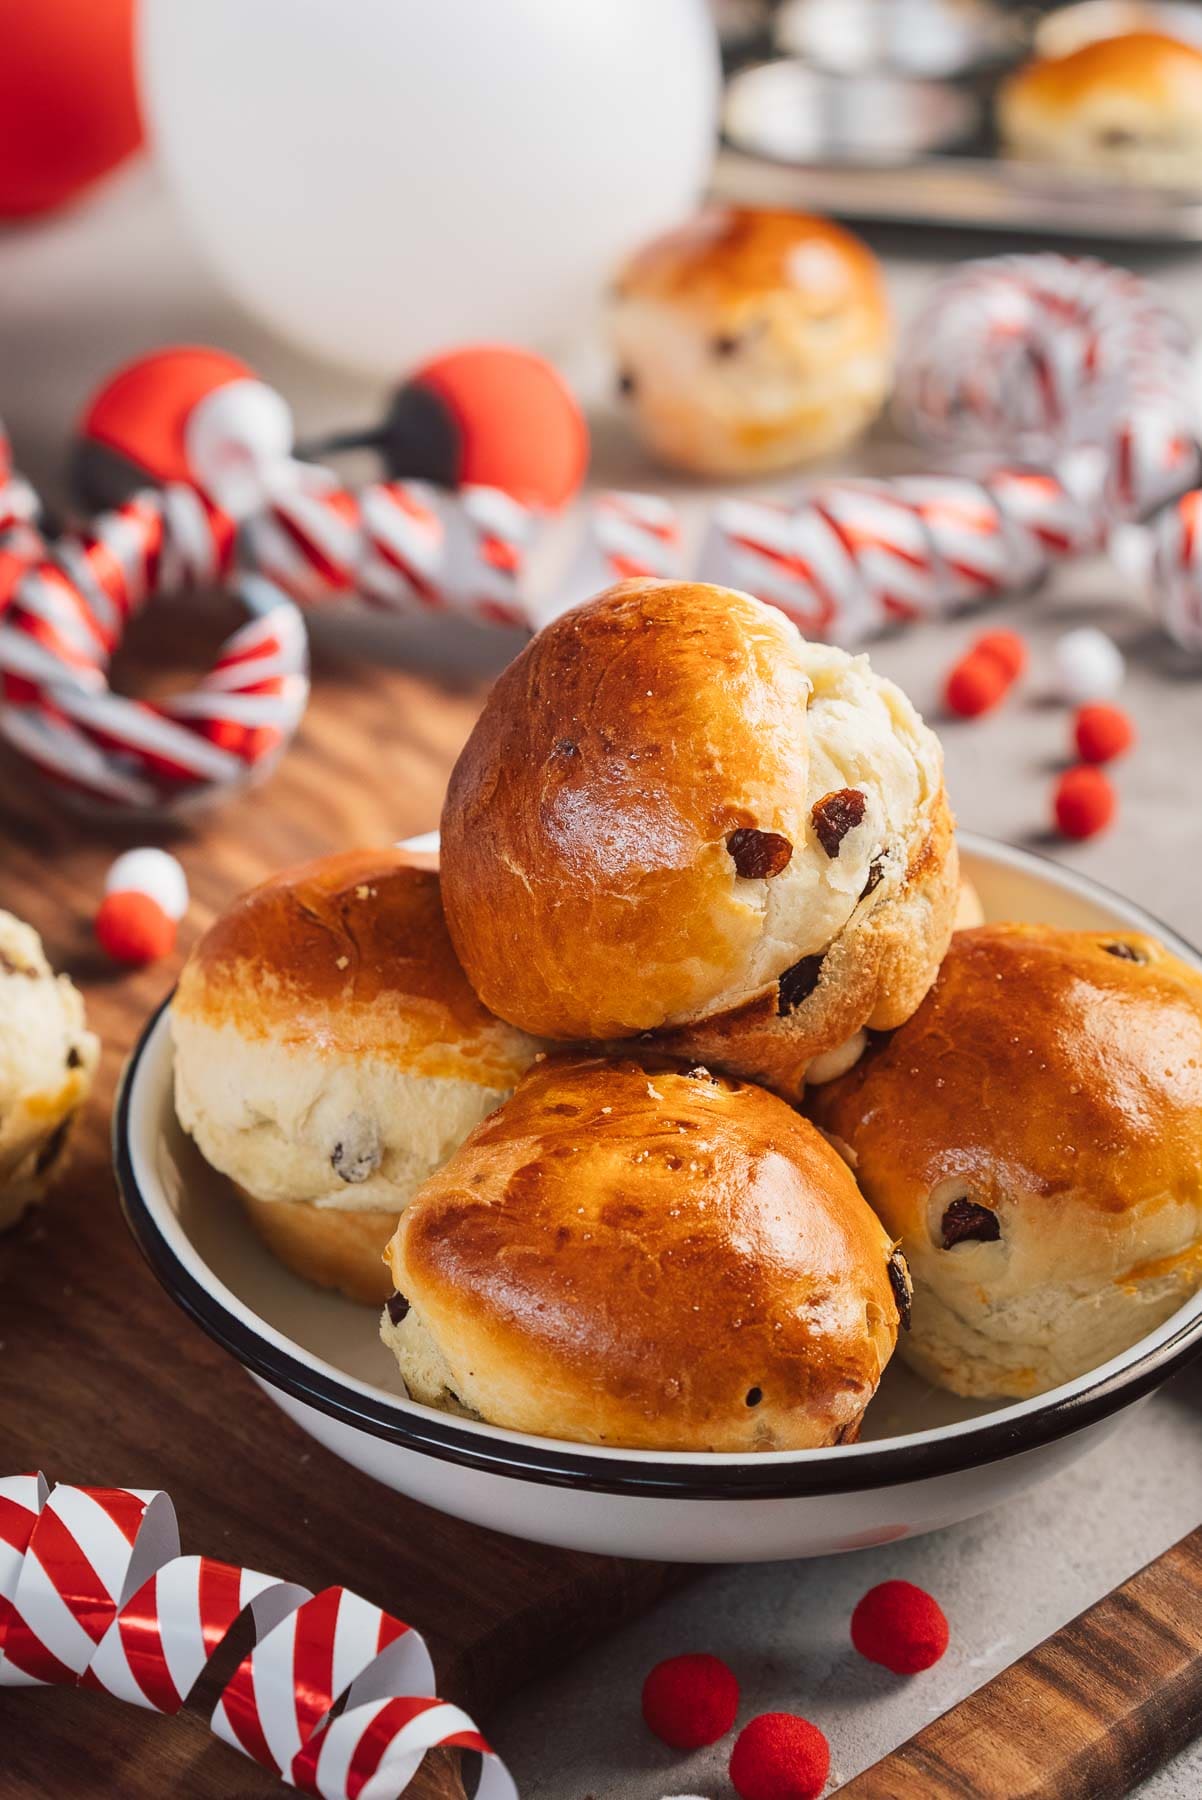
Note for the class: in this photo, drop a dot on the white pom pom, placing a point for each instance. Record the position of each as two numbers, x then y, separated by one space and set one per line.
151 872
1089 665
234 439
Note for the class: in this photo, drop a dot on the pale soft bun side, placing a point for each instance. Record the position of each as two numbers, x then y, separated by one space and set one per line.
751 340
47 1061
595 873
1032 1137
969 910
1127 106
633 1254
329 1054
338 1249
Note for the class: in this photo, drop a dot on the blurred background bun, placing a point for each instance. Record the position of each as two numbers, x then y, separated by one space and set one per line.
676 815
1128 106
1032 1137
329 1055
632 1253
747 340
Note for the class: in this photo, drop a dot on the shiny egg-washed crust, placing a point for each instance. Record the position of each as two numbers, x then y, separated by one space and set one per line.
729 255
588 877
350 955
1129 105
629 1253
751 339
874 974
342 1250
1052 1079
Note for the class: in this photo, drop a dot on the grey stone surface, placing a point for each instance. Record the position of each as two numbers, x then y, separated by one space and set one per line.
77 294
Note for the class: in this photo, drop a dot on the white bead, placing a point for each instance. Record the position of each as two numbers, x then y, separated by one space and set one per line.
1089 665
235 439
152 872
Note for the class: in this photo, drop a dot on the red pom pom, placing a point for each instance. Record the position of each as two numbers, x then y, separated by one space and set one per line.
901 1626
1102 732
780 1757
516 422
690 1700
1084 802
1006 648
133 928
975 685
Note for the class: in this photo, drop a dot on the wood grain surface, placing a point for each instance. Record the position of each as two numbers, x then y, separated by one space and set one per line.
1086 1715
103 1381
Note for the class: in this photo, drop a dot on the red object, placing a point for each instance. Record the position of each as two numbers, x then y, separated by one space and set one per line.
68 99
513 423
1007 649
975 685
900 1626
1084 802
1102 732
690 1700
140 413
780 1757
132 928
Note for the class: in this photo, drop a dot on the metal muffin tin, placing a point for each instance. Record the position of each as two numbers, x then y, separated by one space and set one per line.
885 126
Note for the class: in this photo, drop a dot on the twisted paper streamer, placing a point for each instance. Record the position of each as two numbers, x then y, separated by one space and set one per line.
336 1698
1031 356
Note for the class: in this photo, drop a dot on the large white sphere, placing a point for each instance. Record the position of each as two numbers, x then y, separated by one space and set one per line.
379 179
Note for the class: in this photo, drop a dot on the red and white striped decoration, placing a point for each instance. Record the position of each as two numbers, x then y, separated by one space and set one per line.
1174 569
625 537
94 1593
401 545
65 615
852 557
1032 356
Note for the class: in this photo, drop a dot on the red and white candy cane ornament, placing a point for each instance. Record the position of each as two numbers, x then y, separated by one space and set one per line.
1033 356
403 546
852 557
65 615
94 1593
624 537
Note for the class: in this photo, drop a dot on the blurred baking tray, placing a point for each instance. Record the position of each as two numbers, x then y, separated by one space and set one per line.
885 147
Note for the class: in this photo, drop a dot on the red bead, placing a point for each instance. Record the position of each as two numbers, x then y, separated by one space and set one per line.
975 685
690 1700
900 1626
780 1757
1102 732
132 928
1006 648
1084 802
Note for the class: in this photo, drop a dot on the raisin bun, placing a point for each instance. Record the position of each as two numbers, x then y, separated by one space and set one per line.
1127 106
634 1253
675 815
329 1055
47 1061
748 340
1032 1137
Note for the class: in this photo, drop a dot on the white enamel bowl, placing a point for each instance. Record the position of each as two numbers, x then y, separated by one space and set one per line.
926 1459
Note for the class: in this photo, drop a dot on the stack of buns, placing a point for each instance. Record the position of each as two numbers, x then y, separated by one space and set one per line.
642 1108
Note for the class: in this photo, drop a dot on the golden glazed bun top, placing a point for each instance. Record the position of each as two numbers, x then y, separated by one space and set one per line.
631 1253
727 259
1148 66
669 798
348 956
1058 1070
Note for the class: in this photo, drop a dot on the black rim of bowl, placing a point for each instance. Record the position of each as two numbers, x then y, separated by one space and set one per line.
855 1469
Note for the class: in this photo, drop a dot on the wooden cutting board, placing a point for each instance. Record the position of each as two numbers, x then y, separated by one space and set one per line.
102 1379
